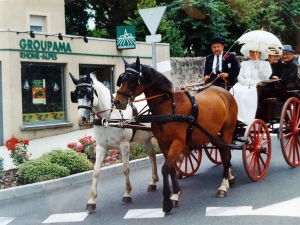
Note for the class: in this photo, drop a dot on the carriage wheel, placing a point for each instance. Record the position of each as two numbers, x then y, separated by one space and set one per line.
213 154
257 150
190 163
290 132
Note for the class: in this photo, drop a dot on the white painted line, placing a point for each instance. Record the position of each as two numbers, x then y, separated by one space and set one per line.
144 213
287 208
6 220
228 211
66 217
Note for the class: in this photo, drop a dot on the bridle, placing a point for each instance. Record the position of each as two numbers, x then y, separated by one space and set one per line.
133 77
82 90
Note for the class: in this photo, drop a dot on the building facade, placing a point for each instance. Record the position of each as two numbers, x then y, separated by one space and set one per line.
36 57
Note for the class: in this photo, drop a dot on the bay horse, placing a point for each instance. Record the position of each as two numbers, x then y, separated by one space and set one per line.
92 95
180 119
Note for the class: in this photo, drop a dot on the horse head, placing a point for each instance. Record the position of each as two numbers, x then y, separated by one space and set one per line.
84 96
132 83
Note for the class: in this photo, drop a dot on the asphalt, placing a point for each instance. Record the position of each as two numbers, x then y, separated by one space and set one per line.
42 145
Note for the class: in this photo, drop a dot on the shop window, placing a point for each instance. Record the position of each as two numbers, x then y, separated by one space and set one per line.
43 98
103 73
37 23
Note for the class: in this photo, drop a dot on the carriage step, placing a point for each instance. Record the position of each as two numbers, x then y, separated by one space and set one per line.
241 139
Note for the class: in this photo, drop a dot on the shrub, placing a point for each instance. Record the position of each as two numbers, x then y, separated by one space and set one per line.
41 169
74 161
138 151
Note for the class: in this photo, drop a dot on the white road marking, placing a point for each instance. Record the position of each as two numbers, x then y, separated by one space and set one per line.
6 220
66 217
144 213
287 208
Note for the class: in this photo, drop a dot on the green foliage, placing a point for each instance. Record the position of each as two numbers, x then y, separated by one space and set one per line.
74 161
40 170
1 164
138 151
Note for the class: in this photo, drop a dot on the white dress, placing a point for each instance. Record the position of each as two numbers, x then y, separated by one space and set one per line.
244 91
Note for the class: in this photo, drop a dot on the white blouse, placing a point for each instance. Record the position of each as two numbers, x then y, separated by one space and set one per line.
254 71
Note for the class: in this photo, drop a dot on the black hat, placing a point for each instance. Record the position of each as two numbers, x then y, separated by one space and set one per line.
215 40
288 48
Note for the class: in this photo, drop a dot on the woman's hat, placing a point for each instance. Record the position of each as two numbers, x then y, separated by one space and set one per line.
257 46
288 48
275 51
216 40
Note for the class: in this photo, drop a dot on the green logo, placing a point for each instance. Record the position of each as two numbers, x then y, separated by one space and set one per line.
125 37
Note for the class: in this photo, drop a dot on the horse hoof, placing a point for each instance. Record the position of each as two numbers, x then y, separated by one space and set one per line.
167 206
221 194
175 204
151 188
90 207
126 200
232 183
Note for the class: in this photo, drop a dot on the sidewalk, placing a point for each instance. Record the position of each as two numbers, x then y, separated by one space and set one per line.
42 145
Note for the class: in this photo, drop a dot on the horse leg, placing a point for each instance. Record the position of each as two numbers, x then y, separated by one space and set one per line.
167 203
152 156
100 154
176 189
125 150
169 169
222 191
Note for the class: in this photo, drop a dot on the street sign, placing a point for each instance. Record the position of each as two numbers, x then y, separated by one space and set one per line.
152 17
153 38
125 37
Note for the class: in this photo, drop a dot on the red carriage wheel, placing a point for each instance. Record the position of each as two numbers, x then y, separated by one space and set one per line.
290 131
213 154
190 163
257 150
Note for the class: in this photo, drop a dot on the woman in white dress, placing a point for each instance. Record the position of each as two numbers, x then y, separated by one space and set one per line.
251 73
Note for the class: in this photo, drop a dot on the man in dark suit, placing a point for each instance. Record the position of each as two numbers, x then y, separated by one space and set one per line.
221 63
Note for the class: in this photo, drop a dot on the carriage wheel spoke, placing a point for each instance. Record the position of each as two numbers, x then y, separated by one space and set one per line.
191 162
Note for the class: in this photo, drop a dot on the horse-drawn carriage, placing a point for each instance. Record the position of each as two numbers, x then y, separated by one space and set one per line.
184 123
278 115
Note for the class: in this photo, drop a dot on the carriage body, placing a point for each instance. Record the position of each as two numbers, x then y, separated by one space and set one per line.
278 115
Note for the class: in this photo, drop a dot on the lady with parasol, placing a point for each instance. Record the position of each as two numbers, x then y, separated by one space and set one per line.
256 46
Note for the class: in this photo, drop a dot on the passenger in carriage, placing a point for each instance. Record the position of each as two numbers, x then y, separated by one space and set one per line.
273 58
221 63
251 73
287 69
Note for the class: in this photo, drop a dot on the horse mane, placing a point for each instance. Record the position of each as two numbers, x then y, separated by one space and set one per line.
157 80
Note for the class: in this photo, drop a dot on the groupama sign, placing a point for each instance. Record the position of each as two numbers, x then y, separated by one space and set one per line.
39 49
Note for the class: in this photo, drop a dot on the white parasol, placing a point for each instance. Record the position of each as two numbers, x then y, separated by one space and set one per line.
260 36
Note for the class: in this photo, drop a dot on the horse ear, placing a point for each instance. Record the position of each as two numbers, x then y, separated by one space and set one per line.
88 76
75 81
125 62
137 64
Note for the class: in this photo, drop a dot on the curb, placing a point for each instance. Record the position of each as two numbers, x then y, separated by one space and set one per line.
39 187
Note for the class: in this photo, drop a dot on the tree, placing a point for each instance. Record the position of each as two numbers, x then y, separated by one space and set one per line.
77 15
167 29
111 13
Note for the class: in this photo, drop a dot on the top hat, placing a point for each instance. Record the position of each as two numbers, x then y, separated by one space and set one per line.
288 48
216 40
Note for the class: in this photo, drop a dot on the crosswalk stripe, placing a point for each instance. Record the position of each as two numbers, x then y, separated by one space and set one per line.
144 213
6 220
66 217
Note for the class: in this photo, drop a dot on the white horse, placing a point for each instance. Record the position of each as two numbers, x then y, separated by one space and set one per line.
93 95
